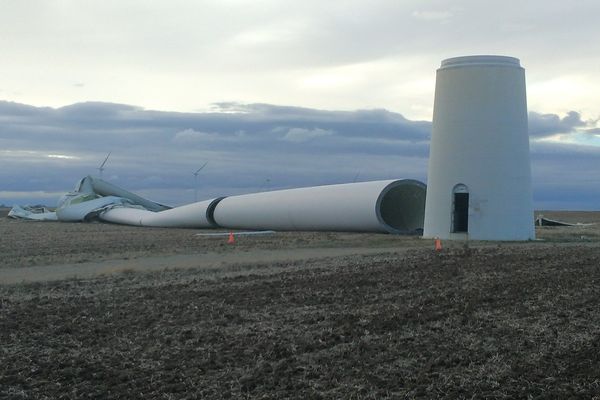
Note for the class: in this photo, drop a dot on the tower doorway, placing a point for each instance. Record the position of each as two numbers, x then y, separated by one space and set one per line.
460 209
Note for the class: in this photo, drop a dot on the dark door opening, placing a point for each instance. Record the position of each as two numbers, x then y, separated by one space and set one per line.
460 220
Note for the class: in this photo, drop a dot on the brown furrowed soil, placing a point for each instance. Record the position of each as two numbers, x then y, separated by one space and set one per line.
486 321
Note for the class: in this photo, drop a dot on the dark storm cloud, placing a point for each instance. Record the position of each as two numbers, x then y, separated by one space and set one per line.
253 147
244 144
11 109
105 120
541 125
565 176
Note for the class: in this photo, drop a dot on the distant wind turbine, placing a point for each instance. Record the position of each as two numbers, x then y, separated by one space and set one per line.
101 167
196 181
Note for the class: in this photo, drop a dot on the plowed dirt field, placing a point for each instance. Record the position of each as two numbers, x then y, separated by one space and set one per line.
296 315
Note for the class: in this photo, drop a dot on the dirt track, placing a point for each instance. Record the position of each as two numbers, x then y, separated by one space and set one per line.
212 263
488 321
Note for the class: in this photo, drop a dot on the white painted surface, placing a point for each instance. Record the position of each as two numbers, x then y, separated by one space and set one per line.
189 216
344 207
480 139
394 206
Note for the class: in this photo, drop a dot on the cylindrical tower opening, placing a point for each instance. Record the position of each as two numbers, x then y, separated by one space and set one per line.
484 60
401 206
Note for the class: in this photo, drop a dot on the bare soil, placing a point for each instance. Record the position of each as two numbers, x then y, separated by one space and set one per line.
477 320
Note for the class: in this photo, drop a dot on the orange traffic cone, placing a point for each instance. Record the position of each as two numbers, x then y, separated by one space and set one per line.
231 238
438 244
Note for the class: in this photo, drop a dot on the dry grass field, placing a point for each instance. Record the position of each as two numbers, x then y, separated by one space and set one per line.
297 315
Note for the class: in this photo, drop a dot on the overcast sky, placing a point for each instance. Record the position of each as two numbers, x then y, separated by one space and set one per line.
277 93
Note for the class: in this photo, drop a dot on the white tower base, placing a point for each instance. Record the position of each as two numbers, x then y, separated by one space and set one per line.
479 178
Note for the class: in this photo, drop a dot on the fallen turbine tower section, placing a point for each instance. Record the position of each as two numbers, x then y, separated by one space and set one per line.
195 215
396 206
393 206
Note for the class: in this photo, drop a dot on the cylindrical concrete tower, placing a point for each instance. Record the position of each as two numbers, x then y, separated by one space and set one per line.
479 179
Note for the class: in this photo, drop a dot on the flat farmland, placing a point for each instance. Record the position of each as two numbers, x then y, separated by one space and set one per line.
111 312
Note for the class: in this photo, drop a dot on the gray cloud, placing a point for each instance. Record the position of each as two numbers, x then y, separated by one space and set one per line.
541 125
155 153
565 176
299 135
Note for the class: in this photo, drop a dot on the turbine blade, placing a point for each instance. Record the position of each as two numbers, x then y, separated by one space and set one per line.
200 169
105 160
